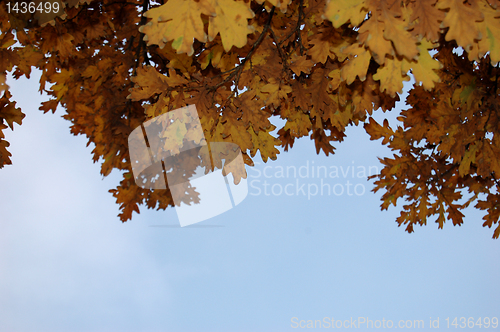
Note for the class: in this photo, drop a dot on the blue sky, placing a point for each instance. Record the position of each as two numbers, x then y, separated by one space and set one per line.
67 263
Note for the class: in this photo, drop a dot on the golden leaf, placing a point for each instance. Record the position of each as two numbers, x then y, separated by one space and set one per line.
461 20
391 77
358 63
178 21
424 68
340 12
265 143
371 34
231 21
490 32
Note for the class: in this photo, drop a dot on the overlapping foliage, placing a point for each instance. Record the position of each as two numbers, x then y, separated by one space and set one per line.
319 65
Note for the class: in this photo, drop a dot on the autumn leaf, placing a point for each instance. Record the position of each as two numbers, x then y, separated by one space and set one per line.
490 32
148 83
233 165
426 19
469 157
231 21
281 4
391 77
8 111
377 131
491 157
300 64
298 124
320 50
178 21
10 114
371 34
265 143
342 11
460 19
358 63
273 92
424 68
174 134
230 129
396 31
322 142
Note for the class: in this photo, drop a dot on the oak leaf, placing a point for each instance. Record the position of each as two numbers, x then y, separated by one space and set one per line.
231 21
426 19
340 12
358 63
300 64
391 77
178 21
460 19
424 68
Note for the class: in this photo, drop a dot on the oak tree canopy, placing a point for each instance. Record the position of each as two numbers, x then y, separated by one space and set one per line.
321 65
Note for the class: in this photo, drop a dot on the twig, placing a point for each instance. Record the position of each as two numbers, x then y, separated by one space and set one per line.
145 6
238 68
280 51
296 30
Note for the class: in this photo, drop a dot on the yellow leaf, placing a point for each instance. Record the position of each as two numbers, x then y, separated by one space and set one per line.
29 56
265 143
334 83
377 131
490 31
212 55
298 123
469 157
340 12
274 92
61 79
490 153
231 164
232 128
178 21
228 61
7 41
231 21
390 76
423 68
395 30
358 63
371 34
461 20
174 135
65 45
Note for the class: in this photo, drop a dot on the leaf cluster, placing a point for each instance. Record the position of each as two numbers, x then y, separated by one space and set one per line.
319 65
